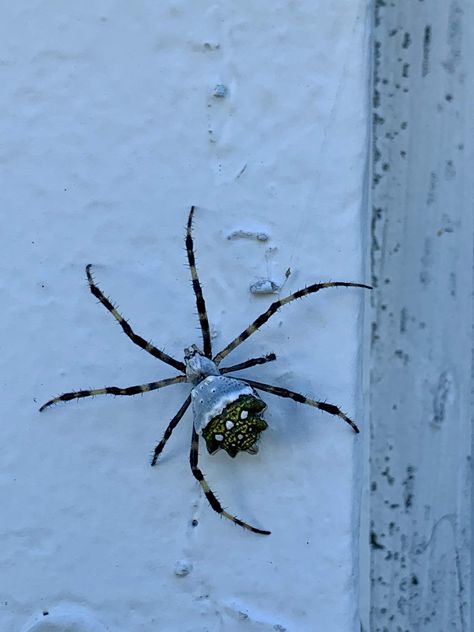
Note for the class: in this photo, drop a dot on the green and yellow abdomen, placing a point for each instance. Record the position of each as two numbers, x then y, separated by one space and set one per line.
228 412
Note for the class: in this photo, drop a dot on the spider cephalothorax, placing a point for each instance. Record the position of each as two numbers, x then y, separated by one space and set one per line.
227 411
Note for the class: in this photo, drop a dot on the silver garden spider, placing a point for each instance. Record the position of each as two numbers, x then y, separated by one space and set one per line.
227 411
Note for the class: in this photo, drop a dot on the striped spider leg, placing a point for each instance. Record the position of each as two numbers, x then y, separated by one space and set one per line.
171 426
115 390
135 338
249 363
274 307
138 340
284 392
200 303
215 504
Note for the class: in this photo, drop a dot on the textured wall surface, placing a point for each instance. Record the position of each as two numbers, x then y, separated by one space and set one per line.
115 118
421 384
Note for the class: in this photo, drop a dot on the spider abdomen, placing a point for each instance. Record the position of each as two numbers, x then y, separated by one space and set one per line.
228 412
237 428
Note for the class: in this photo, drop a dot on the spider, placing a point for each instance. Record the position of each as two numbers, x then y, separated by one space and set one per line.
227 411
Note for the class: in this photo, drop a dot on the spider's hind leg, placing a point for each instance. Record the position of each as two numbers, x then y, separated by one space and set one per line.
297 397
215 504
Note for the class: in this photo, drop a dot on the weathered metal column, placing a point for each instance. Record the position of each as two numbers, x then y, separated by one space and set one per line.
421 378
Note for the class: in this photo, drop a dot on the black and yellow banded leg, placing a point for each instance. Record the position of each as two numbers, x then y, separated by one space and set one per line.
171 426
283 392
249 363
215 504
200 303
115 390
274 307
138 340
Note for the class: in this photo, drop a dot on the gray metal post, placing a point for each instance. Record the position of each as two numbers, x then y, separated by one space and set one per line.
422 255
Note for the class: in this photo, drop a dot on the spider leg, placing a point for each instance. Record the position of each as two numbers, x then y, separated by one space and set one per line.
215 504
138 340
200 304
283 392
249 363
274 307
171 426
115 390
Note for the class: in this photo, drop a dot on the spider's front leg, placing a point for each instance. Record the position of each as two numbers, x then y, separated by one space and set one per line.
215 504
200 303
274 307
138 340
115 390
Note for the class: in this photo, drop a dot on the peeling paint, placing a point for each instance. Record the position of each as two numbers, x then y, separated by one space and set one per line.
265 286
248 234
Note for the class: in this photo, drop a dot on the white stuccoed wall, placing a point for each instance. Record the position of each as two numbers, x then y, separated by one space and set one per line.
110 131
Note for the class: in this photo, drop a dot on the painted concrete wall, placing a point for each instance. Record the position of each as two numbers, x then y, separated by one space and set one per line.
421 382
111 128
